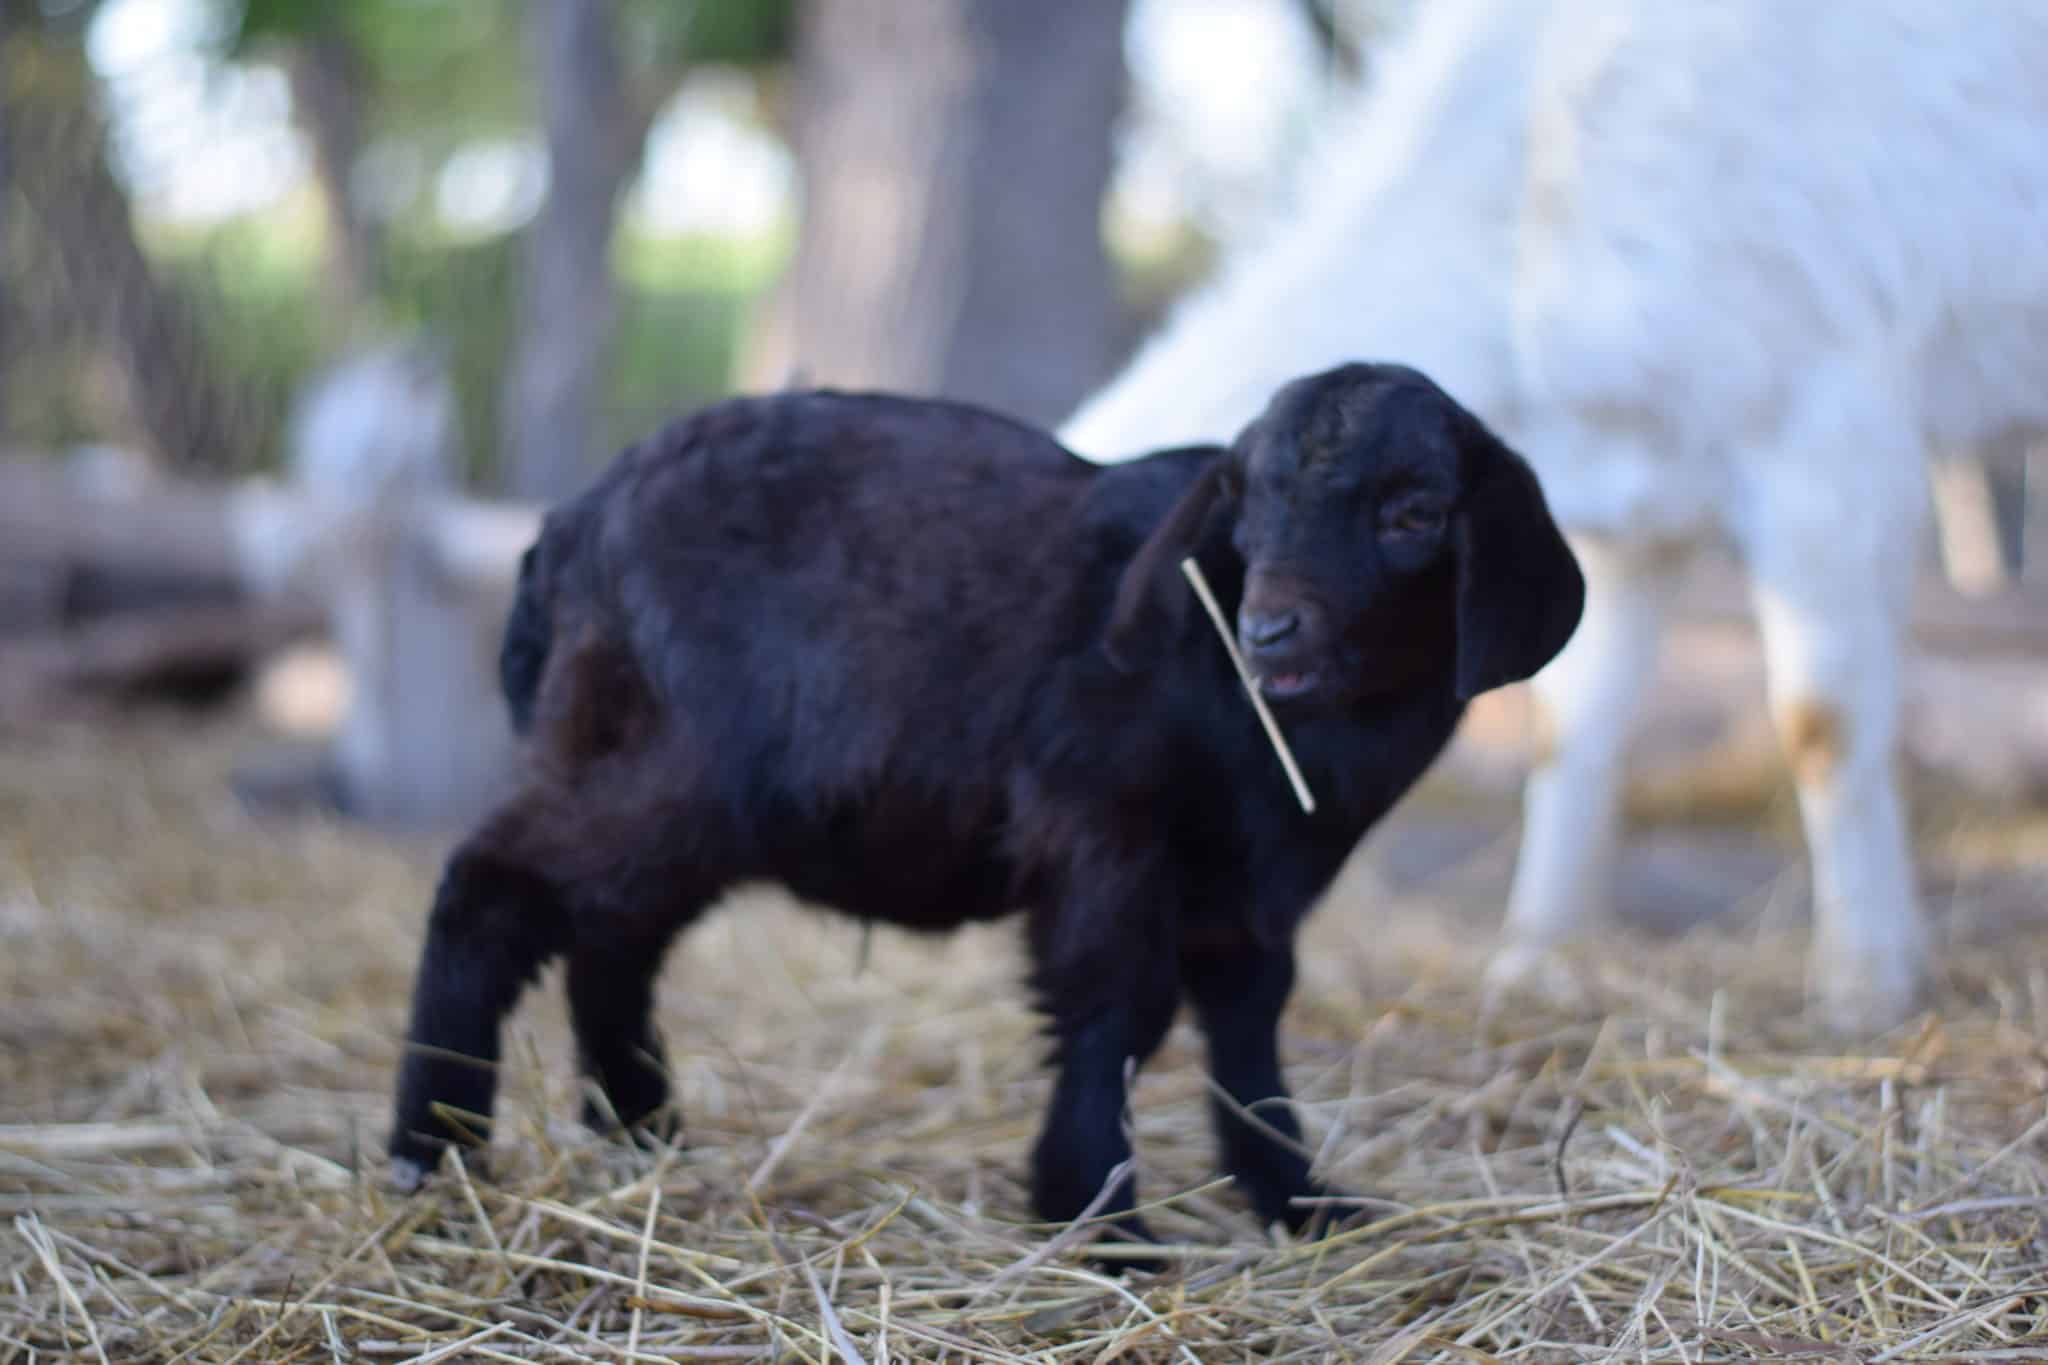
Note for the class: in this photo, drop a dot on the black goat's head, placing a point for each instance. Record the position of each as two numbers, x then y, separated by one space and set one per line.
1385 532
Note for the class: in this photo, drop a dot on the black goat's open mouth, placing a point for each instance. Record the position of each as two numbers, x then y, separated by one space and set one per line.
1287 683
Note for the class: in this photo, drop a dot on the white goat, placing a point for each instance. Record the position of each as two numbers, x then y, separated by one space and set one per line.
1719 268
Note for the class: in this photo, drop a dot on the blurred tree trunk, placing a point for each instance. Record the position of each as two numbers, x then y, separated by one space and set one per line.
955 154
327 99
9 310
81 217
595 131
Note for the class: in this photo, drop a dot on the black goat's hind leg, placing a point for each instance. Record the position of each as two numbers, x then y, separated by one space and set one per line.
611 1004
494 925
1238 996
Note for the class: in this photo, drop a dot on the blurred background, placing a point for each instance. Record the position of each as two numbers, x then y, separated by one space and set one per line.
608 211
308 306
386 249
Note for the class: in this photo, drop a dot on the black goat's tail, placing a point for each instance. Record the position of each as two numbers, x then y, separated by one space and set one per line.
529 634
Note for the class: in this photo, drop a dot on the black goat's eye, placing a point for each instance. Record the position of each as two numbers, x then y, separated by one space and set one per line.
1411 519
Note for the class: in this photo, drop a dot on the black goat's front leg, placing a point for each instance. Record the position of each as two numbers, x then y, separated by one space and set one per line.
1238 995
611 1005
1118 1017
495 923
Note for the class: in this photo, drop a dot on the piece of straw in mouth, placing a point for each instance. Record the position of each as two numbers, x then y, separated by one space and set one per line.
1200 582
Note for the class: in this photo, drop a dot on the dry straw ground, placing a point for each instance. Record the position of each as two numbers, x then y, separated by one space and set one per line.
199 1025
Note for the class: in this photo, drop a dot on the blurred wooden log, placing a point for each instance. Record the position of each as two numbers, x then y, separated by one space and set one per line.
185 652
141 583
125 589
70 551
31 594
119 588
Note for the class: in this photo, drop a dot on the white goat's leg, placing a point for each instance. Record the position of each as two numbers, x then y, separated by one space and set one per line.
1834 631
1586 706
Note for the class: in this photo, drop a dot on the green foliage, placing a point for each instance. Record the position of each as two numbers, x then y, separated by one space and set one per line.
436 72
442 71
682 305
261 332
267 20
465 294
733 32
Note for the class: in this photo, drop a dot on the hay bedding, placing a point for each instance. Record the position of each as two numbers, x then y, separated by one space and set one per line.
200 1023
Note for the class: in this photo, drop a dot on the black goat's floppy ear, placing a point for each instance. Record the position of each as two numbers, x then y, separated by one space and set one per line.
1520 592
1138 592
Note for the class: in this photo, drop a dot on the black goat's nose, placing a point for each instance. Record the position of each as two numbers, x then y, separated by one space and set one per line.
1261 631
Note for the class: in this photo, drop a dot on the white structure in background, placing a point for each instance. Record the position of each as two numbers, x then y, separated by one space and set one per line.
1722 269
415 580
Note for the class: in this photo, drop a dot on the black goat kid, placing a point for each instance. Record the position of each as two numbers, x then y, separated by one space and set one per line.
919 662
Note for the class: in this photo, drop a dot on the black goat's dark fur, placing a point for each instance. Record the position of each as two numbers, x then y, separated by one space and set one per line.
917 661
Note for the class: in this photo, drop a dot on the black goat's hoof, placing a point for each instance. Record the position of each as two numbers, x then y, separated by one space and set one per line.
1272 1186
406 1175
652 1130
657 1132
415 1160
1116 1267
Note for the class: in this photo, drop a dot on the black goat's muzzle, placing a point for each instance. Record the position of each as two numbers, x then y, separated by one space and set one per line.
1284 636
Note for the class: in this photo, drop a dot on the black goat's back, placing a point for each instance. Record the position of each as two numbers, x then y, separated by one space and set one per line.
862 628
